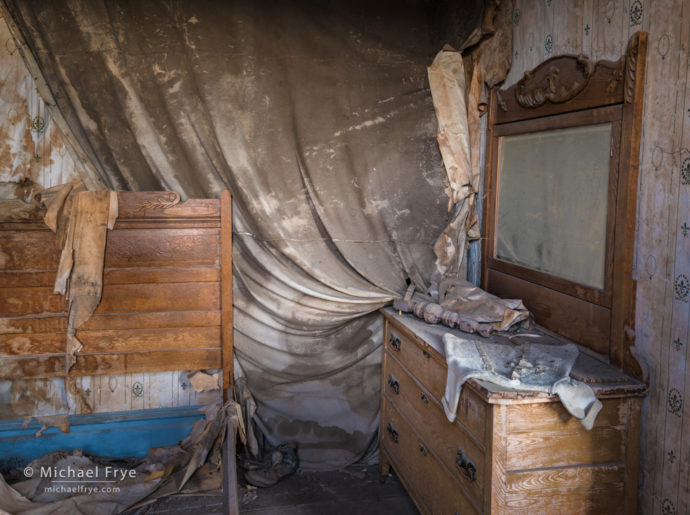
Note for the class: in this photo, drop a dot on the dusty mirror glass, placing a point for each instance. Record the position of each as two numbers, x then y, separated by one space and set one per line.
552 202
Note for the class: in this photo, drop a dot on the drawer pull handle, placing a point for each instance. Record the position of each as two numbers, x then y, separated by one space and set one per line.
394 342
468 469
422 450
426 354
391 431
425 399
393 383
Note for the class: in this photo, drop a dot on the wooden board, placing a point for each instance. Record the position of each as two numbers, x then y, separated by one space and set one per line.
28 250
141 298
563 447
16 302
152 320
541 417
125 340
577 320
227 356
189 359
162 247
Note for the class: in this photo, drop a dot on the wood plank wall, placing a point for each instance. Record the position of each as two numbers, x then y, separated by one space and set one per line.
601 29
161 303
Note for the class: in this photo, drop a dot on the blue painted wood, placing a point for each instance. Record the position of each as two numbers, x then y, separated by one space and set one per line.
115 434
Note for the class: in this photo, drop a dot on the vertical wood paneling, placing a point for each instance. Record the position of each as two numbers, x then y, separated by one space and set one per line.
567 27
31 145
656 204
601 29
681 342
586 31
662 438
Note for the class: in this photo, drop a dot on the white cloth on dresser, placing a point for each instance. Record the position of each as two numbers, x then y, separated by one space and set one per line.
525 366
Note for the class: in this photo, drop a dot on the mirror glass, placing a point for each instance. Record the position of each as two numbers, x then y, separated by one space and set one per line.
552 202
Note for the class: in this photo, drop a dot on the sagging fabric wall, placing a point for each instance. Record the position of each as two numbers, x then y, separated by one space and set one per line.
319 118
601 29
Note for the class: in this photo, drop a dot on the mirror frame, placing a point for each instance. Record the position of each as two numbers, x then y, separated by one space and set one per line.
570 91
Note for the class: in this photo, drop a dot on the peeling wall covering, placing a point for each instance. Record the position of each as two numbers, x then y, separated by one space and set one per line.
30 144
601 29
99 394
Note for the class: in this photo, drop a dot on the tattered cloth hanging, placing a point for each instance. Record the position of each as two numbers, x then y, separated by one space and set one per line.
458 80
81 220
447 84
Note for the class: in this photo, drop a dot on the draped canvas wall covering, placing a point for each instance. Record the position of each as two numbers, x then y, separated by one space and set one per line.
318 117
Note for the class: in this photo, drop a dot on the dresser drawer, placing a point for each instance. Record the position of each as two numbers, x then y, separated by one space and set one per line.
435 489
452 444
429 368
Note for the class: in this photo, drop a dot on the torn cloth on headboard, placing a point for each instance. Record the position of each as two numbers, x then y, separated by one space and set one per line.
86 216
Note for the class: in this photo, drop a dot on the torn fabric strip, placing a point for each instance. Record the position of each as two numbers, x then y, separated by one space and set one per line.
80 272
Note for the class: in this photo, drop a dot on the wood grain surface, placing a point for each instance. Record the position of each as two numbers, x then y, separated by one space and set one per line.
161 303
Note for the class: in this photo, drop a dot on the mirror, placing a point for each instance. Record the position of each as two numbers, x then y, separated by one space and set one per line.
552 202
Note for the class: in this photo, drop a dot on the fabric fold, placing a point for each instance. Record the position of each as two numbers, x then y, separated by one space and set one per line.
327 143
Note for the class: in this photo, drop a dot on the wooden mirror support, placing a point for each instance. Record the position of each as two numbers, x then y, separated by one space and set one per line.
568 92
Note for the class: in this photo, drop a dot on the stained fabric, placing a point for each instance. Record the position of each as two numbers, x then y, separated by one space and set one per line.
447 84
473 303
526 366
318 117
80 272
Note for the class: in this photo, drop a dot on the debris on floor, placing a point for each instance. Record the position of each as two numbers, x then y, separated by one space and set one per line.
66 483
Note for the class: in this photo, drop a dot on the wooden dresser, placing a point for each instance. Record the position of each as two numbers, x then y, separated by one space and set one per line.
507 451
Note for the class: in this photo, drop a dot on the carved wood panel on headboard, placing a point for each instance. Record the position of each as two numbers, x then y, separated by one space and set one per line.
167 293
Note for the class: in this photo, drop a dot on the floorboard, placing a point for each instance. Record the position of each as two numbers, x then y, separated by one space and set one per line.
355 490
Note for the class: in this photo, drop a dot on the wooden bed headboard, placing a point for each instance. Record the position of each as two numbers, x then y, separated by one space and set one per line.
167 293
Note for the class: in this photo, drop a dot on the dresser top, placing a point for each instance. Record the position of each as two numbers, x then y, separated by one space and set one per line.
590 368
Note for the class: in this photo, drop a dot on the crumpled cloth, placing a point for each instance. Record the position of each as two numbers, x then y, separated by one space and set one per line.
527 366
473 303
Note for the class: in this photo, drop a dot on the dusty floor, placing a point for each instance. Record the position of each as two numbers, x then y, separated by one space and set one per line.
355 490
